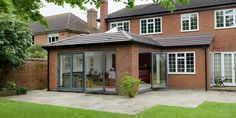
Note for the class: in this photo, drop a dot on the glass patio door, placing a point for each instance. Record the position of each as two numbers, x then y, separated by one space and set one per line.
159 67
71 72
224 67
228 68
94 71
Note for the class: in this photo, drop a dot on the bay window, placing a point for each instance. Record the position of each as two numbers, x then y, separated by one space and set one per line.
181 63
225 18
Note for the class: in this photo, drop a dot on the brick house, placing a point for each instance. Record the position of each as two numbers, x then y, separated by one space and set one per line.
192 48
62 26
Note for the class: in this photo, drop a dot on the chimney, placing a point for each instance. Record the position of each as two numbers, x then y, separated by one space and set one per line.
103 15
92 20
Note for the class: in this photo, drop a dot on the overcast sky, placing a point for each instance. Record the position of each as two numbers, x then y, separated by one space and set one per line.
52 9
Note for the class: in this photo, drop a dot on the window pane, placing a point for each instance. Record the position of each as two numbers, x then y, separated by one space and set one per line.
228 68
229 19
143 26
185 24
158 25
172 63
49 39
53 39
65 69
190 62
113 25
180 65
150 26
220 19
194 22
217 66
126 26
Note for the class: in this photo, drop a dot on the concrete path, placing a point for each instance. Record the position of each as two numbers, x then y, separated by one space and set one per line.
120 104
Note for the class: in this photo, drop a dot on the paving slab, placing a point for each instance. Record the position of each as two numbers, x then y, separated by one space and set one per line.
121 104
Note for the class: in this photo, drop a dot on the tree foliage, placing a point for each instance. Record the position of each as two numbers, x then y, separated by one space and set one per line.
15 38
36 51
28 10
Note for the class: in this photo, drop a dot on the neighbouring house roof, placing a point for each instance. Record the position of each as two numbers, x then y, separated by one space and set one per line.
61 22
190 40
124 37
148 9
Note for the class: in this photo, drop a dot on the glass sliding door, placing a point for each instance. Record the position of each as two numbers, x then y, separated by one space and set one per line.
159 74
94 71
77 71
71 72
224 68
110 75
65 71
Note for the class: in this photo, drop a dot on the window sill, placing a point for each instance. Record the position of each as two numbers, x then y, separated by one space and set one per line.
185 31
221 28
169 73
150 33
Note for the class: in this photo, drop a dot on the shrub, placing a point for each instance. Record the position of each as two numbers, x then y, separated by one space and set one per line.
36 51
129 85
21 90
10 86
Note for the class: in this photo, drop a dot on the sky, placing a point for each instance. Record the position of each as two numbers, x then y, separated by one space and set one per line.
52 9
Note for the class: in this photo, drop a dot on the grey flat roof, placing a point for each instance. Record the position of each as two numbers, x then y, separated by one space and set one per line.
60 22
122 36
147 9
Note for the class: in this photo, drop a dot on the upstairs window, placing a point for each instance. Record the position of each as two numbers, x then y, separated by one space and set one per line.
151 26
225 18
124 25
189 22
181 63
53 37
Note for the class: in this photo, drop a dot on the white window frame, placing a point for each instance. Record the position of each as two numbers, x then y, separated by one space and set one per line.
154 28
185 63
120 22
225 27
190 30
52 35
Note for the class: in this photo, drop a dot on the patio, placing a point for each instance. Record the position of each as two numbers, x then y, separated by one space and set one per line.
120 104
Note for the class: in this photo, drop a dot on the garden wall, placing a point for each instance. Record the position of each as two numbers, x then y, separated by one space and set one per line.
33 74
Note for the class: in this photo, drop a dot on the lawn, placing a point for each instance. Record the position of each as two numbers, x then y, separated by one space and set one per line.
13 109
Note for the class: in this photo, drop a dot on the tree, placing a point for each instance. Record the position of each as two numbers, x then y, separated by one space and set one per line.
28 10
15 38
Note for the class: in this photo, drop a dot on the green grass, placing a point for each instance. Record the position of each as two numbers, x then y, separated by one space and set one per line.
13 109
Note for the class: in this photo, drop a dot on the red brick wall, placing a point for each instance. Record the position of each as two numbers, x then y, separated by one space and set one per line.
189 81
43 38
224 39
33 75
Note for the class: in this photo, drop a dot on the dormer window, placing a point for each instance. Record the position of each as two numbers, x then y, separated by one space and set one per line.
189 22
225 18
151 26
123 25
53 37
